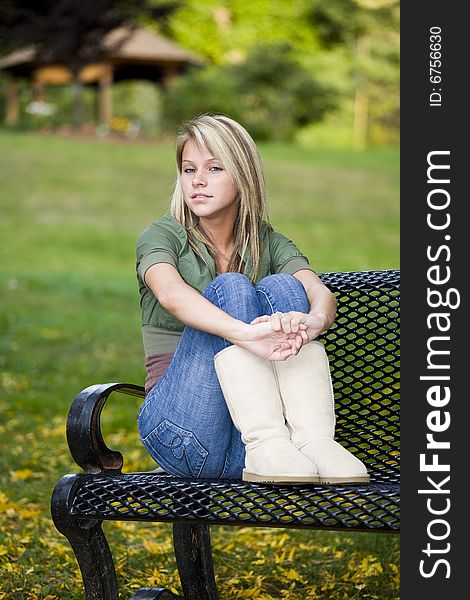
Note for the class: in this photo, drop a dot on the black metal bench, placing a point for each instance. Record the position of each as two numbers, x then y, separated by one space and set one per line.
363 348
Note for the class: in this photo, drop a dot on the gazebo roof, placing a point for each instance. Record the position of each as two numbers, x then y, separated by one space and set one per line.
18 57
142 53
146 45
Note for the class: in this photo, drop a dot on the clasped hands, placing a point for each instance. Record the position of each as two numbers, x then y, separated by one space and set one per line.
281 335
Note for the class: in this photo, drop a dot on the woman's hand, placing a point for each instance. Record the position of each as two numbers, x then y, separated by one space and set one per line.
306 325
261 339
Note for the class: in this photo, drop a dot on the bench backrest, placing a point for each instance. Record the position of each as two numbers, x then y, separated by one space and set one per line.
363 350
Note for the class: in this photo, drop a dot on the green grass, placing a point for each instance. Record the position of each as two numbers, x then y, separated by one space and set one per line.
70 212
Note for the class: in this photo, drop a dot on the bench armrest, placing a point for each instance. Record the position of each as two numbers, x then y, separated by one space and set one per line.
84 436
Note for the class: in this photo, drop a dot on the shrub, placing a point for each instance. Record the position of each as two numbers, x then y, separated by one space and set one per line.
269 93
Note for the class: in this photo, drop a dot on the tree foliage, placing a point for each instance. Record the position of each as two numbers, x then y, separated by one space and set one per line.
369 31
226 30
250 92
350 47
68 31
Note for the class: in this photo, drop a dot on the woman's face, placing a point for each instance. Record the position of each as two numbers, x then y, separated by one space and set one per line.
208 190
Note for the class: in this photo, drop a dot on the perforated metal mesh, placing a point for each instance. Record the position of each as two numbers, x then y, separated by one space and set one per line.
168 498
363 348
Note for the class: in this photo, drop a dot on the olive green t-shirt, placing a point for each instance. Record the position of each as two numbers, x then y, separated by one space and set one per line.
165 240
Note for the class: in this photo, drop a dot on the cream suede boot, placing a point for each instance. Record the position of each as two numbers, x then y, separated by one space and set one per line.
307 394
253 400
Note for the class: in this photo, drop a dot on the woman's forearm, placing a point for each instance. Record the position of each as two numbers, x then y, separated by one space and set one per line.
322 302
191 308
188 305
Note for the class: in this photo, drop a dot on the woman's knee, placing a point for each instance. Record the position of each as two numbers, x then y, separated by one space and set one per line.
234 294
282 292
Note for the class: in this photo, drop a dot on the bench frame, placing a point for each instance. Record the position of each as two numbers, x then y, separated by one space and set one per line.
81 502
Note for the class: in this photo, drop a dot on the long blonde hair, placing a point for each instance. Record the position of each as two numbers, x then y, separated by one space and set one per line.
228 141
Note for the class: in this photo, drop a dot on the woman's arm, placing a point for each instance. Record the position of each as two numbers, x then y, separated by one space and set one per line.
191 308
308 325
322 302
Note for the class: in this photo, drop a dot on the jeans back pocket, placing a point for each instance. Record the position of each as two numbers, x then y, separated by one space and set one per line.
177 449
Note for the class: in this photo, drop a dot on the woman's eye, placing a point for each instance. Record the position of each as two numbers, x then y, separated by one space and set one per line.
215 168
188 170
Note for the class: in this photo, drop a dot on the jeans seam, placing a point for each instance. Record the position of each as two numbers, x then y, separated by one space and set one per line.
219 299
198 458
225 470
166 465
268 300
291 284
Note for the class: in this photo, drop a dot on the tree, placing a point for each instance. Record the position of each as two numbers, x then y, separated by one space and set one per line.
349 46
369 28
225 31
277 94
269 93
71 32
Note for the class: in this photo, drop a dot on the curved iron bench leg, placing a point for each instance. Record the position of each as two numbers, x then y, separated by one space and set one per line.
194 559
88 543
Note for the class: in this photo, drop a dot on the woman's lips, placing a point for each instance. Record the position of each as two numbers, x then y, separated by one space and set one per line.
200 196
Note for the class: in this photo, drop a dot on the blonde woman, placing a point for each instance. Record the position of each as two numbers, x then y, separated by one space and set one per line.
237 386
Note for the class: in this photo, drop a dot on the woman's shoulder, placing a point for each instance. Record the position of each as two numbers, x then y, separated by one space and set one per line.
272 238
167 226
265 230
270 234
168 222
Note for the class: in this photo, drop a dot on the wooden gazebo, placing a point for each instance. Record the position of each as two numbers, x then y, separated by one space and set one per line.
134 54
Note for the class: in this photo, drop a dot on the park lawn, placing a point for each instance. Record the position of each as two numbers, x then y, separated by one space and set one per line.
70 211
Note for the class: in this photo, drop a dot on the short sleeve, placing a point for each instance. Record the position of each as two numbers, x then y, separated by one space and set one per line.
285 256
160 242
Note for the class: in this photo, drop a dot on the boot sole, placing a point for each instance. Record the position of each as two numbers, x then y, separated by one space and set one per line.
255 478
333 480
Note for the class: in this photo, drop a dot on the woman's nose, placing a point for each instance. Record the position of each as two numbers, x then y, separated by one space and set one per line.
199 179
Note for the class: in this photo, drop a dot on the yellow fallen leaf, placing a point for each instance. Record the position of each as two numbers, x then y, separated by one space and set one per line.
21 474
151 546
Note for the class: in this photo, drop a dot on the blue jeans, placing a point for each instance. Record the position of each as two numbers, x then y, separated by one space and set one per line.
184 422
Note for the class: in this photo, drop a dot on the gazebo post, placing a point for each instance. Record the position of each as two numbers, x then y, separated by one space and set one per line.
169 77
12 108
104 108
37 90
129 54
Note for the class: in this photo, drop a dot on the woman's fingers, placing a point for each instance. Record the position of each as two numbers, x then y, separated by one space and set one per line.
285 353
286 322
281 344
295 343
282 352
281 322
276 322
295 324
292 322
261 319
